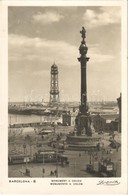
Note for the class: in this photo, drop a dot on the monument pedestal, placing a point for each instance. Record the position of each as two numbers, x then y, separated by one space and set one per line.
82 138
83 124
83 142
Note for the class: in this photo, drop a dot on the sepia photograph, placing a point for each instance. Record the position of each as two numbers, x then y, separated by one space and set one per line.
64 109
63 85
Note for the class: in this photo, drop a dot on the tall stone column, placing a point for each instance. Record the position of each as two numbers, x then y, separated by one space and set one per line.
83 120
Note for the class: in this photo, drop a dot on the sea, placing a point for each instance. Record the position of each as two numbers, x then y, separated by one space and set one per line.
18 118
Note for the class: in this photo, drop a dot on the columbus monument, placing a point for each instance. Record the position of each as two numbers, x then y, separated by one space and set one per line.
83 120
82 137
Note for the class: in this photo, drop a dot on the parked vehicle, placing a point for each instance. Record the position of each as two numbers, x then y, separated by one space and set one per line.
103 168
106 167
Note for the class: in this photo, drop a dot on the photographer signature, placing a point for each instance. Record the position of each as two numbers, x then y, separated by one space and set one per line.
108 183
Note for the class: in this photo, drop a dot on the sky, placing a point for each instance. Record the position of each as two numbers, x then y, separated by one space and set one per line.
40 36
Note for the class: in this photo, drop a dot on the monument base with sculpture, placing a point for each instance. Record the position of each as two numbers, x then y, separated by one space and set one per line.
82 138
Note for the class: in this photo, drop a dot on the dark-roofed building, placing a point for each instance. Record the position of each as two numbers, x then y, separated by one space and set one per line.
119 105
105 122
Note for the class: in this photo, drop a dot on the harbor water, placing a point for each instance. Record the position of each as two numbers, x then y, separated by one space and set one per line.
17 119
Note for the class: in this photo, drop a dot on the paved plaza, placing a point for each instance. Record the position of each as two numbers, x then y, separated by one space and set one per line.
78 161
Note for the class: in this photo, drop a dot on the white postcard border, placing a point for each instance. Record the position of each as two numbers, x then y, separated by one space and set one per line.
42 185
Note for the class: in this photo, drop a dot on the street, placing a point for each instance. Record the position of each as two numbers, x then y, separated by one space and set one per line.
76 168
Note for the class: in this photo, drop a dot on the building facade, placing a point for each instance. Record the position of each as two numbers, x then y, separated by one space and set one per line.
69 118
105 123
119 105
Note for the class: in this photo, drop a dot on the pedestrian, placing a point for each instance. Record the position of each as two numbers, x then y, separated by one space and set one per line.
55 172
51 173
43 170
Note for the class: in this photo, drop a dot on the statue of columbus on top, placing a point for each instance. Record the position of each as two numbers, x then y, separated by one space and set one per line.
83 33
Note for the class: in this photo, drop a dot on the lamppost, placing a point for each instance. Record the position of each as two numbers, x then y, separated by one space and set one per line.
43 169
10 122
24 147
57 168
30 148
56 171
75 168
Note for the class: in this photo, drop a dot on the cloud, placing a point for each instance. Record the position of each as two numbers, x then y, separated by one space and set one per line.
43 51
47 17
96 56
30 60
105 16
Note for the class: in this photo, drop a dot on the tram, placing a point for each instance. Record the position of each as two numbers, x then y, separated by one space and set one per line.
42 156
19 159
45 156
48 156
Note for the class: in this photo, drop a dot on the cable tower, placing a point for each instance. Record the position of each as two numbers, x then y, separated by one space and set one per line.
54 88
